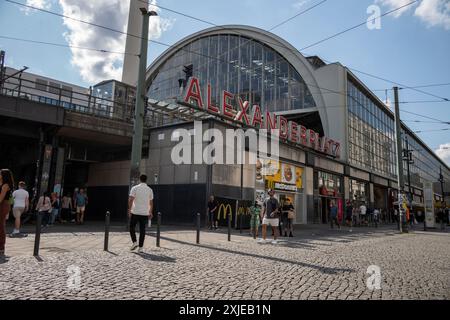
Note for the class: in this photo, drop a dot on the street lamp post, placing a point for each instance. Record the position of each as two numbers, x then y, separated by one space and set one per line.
398 134
407 156
136 148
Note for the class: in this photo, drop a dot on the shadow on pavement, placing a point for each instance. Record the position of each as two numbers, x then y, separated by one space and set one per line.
322 269
152 257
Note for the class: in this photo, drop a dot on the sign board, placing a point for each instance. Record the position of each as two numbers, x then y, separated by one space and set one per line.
429 204
234 108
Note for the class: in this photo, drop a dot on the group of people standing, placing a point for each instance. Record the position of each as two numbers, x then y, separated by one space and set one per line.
279 216
52 209
48 206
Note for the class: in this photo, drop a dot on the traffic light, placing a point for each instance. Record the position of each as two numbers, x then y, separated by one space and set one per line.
188 71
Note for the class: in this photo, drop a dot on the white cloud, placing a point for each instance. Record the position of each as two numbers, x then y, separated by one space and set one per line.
97 66
299 4
41 4
394 4
432 12
444 152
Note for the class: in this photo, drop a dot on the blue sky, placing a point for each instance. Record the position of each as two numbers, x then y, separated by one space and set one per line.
412 48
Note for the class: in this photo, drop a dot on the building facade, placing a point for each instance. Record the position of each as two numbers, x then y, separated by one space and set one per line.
265 70
345 148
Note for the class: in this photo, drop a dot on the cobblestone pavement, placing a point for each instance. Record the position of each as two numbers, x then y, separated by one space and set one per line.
317 264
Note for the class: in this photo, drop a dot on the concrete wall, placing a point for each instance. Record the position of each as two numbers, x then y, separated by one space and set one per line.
334 117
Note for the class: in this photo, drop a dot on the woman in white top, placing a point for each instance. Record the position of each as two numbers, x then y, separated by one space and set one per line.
44 208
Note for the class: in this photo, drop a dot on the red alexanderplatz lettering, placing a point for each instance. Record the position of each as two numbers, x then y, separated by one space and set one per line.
271 123
283 126
293 131
211 107
194 93
226 106
257 118
243 113
288 129
312 138
303 139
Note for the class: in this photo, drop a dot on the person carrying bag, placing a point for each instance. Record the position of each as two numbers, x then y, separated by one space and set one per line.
44 208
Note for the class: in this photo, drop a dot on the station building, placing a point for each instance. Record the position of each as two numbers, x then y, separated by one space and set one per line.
345 148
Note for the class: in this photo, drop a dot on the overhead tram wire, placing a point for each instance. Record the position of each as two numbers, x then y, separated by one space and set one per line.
357 26
204 21
415 87
323 40
65 45
170 46
437 130
426 117
295 16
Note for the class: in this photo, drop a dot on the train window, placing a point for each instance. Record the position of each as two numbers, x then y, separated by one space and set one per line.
53 88
66 91
41 85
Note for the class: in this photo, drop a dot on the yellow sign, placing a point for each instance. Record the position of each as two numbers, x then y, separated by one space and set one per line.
284 173
243 210
225 211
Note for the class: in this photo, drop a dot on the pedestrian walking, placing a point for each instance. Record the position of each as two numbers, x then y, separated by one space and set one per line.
447 214
362 214
270 217
21 205
288 217
44 208
6 199
81 203
376 217
140 209
55 208
349 215
441 216
212 213
255 217
334 215
66 208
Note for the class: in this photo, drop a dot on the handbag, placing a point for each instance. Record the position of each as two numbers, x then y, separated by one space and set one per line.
291 214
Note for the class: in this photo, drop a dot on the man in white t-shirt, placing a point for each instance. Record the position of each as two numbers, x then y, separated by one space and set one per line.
21 204
362 212
140 207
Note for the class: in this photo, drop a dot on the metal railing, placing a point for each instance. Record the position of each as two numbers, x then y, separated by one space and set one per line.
79 102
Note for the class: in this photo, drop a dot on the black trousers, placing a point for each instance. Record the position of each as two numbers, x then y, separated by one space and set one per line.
142 220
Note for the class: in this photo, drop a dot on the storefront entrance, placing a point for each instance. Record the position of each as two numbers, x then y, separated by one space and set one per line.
329 190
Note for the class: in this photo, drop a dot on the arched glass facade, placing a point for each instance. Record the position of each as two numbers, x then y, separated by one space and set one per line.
239 65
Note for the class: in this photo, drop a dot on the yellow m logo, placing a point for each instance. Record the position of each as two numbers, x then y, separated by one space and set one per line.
225 211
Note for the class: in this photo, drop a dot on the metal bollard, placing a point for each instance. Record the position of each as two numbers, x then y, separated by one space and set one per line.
240 223
158 231
198 227
37 237
107 223
229 226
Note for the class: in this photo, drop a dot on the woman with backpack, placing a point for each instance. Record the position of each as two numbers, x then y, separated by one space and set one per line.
44 208
6 189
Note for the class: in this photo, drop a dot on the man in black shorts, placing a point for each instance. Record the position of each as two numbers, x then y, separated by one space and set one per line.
212 213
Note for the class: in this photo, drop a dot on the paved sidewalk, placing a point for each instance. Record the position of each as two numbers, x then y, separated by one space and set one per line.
317 264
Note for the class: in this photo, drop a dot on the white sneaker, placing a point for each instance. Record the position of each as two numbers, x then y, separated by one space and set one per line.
261 241
133 246
274 242
140 250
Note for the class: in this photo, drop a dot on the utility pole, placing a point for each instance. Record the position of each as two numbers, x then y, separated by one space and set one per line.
441 180
398 133
136 148
407 156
